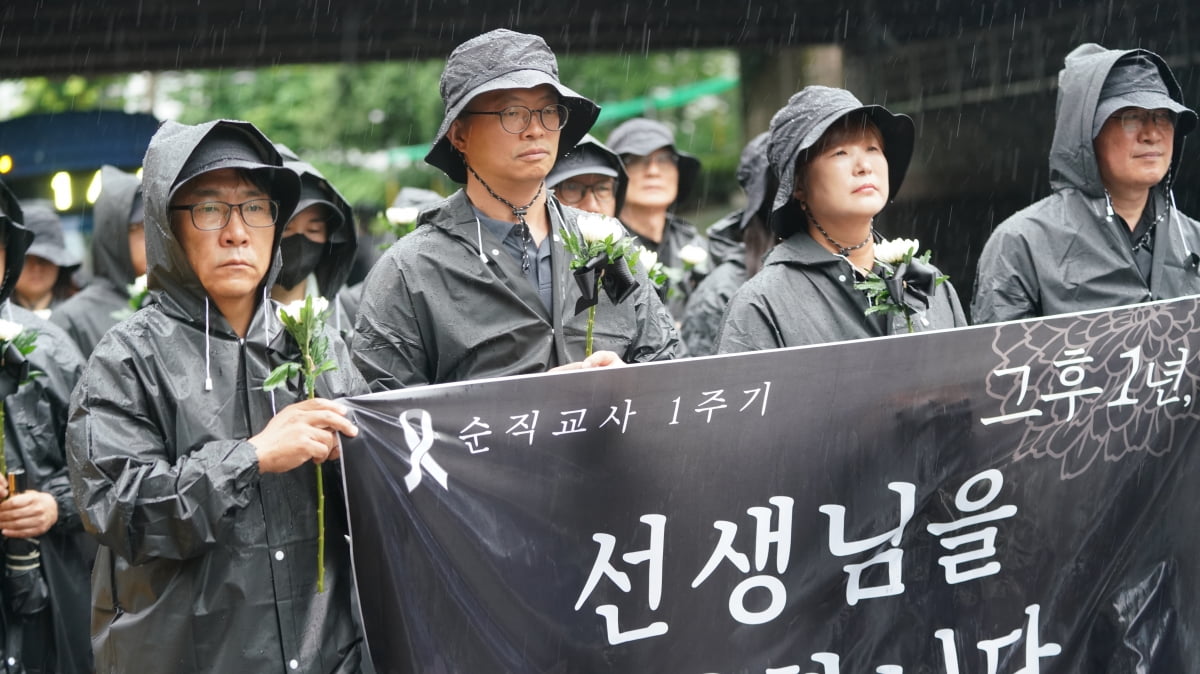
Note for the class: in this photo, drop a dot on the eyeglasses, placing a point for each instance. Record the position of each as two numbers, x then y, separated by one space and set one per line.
1135 120
570 192
516 118
660 158
211 215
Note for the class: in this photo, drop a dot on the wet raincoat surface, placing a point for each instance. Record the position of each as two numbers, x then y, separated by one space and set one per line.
105 301
1062 254
56 638
706 305
432 311
206 564
677 234
805 295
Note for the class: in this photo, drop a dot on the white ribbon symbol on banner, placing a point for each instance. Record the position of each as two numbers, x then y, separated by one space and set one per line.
420 444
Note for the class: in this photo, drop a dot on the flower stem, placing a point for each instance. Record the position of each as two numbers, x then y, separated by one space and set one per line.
3 457
587 346
908 321
320 515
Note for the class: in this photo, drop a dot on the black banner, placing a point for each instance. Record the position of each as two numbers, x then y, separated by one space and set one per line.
1006 499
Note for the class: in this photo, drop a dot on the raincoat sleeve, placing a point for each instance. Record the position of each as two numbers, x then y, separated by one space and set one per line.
140 489
705 307
749 325
657 337
1005 284
388 347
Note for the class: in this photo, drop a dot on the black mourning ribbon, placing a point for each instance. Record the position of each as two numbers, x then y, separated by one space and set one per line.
616 279
912 284
14 369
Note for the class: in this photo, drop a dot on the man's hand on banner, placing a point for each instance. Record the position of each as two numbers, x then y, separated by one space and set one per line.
598 359
302 432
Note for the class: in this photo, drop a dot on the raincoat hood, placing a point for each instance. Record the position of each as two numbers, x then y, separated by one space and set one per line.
168 164
755 177
800 124
642 137
338 256
503 59
1080 83
16 238
110 238
48 242
591 156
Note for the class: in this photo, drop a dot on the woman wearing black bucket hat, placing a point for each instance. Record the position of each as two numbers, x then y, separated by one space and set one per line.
482 287
838 162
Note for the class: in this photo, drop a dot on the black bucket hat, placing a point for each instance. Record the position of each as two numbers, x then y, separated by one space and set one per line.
503 59
48 241
1136 82
754 175
16 240
591 156
798 126
641 137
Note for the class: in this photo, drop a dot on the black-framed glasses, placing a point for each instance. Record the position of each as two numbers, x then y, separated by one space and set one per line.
570 192
660 158
516 118
211 215
1136 119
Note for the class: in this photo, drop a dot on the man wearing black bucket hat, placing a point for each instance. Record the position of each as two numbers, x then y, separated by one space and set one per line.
483 287
839 162
1109 234
590 178
197 482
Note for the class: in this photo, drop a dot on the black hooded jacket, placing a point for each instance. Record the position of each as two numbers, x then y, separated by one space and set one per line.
35 422
433 312
1063 253
206 564
105 301
706 304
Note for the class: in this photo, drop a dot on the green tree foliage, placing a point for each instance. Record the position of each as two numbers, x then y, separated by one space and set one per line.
41 94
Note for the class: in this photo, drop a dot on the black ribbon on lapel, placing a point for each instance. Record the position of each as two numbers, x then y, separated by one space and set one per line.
913 283
616 279
14 369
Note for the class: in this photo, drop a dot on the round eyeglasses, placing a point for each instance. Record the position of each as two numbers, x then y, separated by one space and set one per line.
211 215
570 192
1136 119
516 118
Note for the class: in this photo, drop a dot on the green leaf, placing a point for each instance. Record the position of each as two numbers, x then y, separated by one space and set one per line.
280 375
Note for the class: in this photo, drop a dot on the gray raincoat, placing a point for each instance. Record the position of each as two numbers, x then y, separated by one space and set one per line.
433 311
1063 253
54 639
206 564
105 301
706 304
805 294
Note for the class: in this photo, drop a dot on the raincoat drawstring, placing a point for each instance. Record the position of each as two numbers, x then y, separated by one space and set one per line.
207 351
479 240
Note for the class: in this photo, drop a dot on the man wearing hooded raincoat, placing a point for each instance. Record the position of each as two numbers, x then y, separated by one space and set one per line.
483 286
320 267
199 484
1110 234
118 258
736 244
43 597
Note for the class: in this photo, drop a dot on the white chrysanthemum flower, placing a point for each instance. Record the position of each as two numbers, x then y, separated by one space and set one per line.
692 255
137 287
293 309
9 330
648 258
893 252
594 227
403 215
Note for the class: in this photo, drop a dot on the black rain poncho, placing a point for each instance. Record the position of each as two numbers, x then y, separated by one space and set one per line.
1062 254
805 294
105 301
706 304
56 638
206 564
432 311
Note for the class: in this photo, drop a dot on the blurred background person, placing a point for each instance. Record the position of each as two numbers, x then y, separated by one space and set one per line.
736 246
45 280
590 178
118 258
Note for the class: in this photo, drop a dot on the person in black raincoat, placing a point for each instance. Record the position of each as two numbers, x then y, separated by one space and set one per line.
483 287
118 258
838 163
45 281
319 244
660 177
199 484
736 246
1109 234
591 178
43 597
